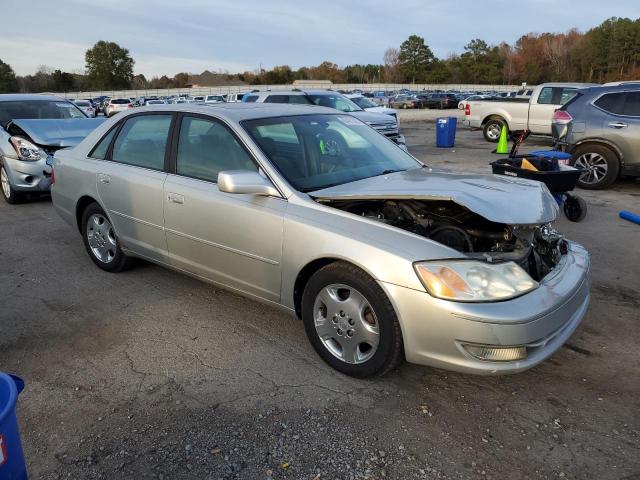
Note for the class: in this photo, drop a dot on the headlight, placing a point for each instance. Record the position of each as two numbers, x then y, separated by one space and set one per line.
473 281
25 149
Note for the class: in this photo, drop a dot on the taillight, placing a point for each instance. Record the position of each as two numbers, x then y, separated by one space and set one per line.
467 109
561 116
130 105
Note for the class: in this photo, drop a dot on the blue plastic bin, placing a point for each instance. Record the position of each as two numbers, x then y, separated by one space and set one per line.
446 132
12 465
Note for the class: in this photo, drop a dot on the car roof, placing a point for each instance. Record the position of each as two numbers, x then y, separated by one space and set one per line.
245 111
20 97
599 89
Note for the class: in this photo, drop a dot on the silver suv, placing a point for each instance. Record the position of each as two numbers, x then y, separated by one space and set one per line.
383 123
600 126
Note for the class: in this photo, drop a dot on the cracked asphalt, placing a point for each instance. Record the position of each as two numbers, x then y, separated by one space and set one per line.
151 374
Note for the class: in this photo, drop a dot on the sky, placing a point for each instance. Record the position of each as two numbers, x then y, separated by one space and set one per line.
169 36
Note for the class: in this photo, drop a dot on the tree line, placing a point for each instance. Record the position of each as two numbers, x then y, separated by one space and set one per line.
608 52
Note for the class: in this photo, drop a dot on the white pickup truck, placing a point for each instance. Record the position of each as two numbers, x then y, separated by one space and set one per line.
533 113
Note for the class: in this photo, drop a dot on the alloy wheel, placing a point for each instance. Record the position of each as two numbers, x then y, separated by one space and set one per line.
594 167
6 186
101 238
346 323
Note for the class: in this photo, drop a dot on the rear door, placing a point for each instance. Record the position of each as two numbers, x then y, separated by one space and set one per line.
622 125
130 183
541 108
232 239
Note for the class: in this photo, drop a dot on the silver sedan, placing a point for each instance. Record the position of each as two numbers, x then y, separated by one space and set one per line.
312 210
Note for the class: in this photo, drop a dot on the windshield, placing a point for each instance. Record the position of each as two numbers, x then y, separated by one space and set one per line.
363 102
319 151
336 101
38 109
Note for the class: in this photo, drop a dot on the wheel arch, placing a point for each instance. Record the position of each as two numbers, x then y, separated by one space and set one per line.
303 278
600 142
494 116
81 205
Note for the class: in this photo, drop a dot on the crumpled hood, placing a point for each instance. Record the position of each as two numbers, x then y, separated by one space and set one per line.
501 199
58 132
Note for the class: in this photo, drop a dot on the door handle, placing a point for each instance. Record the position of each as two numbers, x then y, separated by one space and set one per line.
617 125
176 198
102 178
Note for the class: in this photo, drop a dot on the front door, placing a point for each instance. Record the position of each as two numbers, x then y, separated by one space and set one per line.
232 239
130 184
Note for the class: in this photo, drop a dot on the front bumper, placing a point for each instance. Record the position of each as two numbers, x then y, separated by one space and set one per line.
434 330
26 176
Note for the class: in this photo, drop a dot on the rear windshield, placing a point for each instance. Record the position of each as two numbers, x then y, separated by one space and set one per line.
120 101
38 109
82 103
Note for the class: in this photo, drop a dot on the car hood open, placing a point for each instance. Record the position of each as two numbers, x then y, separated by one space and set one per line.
507 200
58 132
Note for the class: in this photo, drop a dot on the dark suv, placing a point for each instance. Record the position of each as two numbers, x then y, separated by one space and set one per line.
442 100
600 126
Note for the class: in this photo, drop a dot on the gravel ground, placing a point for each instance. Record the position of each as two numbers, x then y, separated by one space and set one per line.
150 374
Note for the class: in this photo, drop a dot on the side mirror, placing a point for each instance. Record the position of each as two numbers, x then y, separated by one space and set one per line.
245 181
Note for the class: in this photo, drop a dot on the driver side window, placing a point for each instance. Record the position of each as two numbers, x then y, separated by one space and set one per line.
206 148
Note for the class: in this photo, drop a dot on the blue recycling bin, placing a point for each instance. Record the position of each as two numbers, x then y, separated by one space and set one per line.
446 132
12 465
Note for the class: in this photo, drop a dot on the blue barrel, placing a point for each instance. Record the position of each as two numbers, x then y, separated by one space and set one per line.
446 132
12 466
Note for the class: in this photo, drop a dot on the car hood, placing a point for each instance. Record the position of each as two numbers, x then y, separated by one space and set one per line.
372 117
501 199
56 132
385 110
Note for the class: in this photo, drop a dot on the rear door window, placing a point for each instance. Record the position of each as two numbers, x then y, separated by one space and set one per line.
142 141
546 96
612 103
100 150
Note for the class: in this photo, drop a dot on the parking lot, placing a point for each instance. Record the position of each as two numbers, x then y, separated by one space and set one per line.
152 374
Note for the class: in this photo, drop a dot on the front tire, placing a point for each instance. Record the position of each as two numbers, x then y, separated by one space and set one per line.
600 164
10 195
350 321
492 129
101 242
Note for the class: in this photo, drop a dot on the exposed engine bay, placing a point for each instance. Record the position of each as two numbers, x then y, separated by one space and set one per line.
537 249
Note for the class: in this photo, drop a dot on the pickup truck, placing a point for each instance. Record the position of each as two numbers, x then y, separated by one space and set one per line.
533 113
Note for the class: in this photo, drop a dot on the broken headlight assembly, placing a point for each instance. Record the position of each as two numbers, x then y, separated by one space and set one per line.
25 149
474 281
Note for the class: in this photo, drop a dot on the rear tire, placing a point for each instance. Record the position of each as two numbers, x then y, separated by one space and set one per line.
350 321
601 166
492 129
101 242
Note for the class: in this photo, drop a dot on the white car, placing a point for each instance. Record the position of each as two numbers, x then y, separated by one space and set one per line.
471 98
214 99
370 106
86 107
116 105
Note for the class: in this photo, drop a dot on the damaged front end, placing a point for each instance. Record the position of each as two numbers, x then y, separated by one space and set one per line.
535 248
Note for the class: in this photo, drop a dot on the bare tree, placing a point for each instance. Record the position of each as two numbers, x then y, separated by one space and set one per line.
391 65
